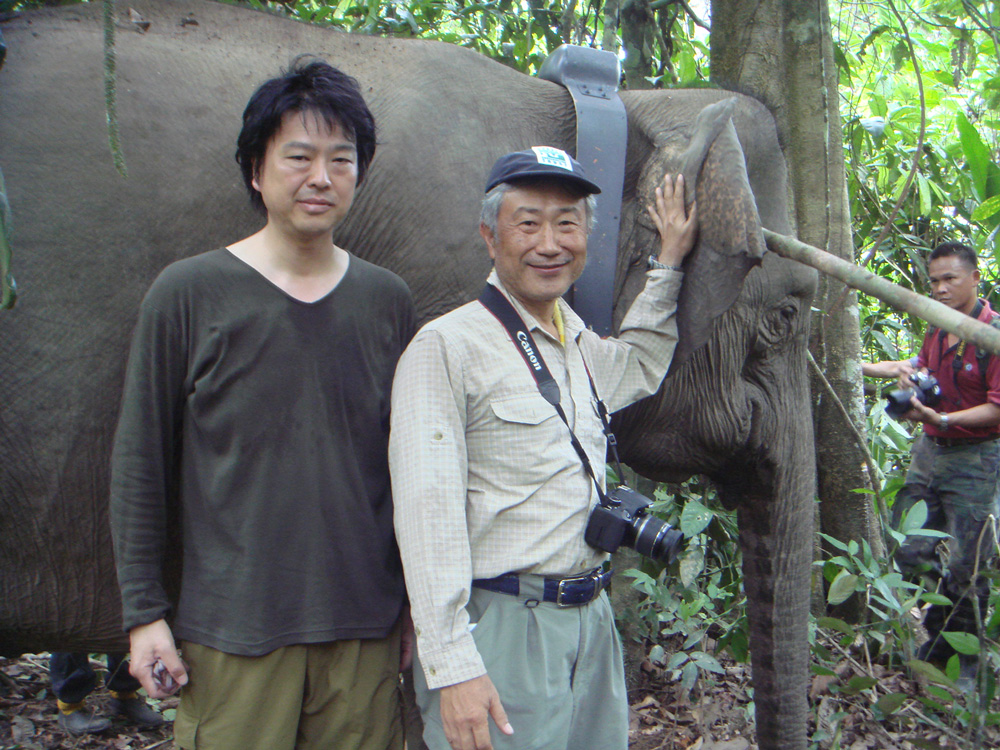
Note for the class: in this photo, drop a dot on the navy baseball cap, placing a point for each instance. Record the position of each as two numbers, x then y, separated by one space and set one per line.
540 161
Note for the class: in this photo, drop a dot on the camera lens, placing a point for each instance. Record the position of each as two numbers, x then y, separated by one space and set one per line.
656 539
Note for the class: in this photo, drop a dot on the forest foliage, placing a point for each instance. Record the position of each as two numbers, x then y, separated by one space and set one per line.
920 103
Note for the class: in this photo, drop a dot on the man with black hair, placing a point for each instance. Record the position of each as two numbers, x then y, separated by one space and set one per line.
955 461
256 411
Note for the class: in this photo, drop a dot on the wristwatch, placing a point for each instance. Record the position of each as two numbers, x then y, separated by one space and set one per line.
654 263
944 423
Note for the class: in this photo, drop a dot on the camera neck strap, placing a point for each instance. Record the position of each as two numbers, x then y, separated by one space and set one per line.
501 308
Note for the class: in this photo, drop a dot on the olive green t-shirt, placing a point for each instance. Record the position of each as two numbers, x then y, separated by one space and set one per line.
261 422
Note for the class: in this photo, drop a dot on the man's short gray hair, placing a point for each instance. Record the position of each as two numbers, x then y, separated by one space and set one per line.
494 198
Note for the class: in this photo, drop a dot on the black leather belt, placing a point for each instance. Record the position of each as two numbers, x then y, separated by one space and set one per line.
952 442
565 592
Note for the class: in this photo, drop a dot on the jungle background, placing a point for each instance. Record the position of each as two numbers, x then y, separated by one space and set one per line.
888 114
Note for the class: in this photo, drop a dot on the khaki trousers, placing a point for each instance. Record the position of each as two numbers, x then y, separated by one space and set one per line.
558 670
342 695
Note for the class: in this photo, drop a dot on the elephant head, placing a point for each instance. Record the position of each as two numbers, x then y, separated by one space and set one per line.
735 405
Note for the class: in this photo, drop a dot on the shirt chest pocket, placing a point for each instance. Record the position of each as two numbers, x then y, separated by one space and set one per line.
523 440
527 409
528 422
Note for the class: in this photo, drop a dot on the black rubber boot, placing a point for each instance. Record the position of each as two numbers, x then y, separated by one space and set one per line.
136 710
82 721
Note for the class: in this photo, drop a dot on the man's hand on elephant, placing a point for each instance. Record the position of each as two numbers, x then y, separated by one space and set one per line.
155 662
465 711
677 229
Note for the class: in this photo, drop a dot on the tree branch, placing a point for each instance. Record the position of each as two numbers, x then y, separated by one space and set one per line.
965 327
874 474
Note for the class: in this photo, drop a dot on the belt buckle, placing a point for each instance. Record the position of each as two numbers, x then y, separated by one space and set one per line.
560 591
594 576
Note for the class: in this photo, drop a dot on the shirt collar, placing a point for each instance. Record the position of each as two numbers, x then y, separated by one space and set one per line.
572 322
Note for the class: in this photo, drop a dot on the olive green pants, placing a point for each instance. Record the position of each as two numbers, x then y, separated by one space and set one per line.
558 671
342 695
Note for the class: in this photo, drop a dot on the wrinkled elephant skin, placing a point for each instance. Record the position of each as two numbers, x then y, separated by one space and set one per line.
88 244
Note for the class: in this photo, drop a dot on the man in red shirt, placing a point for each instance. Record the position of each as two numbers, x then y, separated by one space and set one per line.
955 462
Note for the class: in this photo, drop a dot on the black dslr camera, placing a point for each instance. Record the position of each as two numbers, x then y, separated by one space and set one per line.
629 522
927 391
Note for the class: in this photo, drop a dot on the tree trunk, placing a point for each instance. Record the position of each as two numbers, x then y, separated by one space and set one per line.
781 52
637 31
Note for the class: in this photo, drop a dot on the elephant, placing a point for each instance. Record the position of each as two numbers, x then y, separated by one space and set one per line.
88 243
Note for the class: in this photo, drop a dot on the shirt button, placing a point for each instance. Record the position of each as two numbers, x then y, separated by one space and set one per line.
438 435
432 671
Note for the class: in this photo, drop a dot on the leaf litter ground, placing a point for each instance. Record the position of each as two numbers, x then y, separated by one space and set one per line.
715 715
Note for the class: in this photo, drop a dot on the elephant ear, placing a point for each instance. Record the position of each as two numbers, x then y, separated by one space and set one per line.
730 239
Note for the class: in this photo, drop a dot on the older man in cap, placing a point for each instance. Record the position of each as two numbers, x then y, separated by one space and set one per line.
491 496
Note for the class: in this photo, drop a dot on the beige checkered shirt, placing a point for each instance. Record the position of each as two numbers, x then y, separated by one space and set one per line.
484 478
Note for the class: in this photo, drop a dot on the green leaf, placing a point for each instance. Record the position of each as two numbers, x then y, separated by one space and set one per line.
953 667
821 670
914 518
887 704
886 592
693 638
841 588
657 654
689 676
977 155
963 643
640 577
856 684
833 623
834 542
933 598
841 61
924 191
933 533
927 744
707 662
987 208
694 518
930 672
676 660
691 565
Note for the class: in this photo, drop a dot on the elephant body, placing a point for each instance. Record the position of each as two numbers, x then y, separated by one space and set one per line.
88 243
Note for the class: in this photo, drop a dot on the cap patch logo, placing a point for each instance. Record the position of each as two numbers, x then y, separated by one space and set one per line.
553 157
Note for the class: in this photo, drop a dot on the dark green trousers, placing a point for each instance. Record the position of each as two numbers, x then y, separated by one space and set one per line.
342 695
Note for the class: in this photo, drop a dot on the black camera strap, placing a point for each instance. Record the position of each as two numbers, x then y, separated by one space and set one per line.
602 411
501 308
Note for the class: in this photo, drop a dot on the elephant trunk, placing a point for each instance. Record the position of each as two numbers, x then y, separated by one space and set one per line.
776 537
777 548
